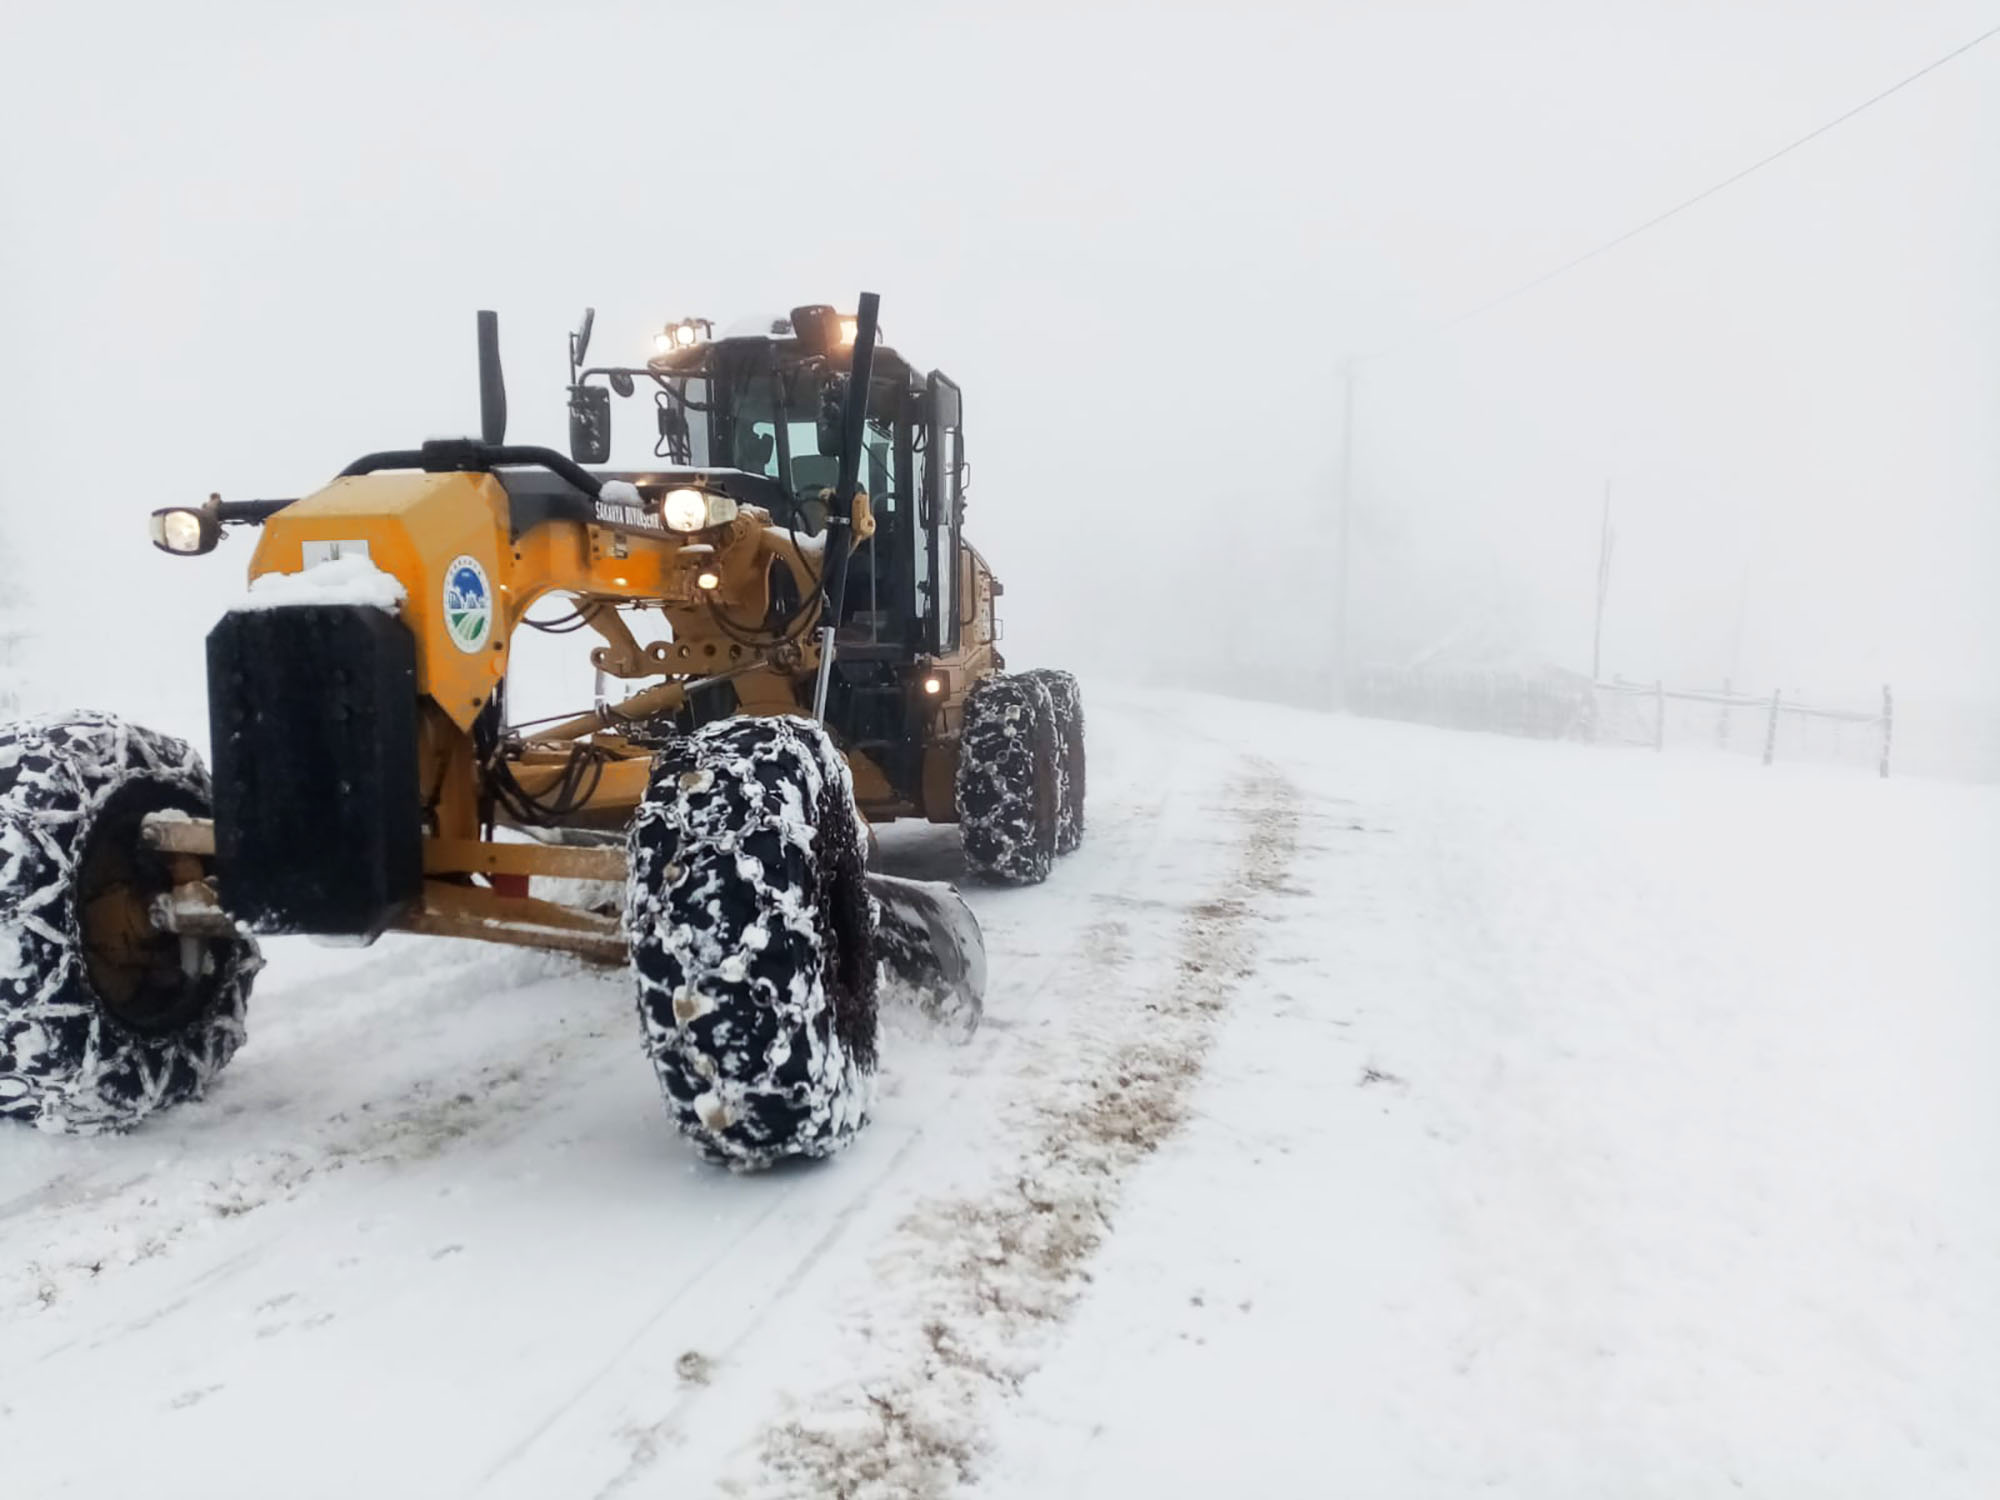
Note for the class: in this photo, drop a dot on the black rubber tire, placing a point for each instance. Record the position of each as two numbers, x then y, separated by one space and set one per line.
1067 700
753 941
1007 783
72 791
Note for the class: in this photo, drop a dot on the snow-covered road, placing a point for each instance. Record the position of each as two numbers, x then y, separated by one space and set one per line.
1366 1109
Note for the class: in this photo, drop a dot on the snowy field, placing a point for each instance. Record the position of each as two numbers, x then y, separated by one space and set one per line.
1367 1110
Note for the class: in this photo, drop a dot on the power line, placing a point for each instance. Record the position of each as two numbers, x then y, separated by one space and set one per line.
1708 192
1350 368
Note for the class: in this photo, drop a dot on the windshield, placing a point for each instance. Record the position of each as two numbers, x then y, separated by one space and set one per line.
745 435
725 414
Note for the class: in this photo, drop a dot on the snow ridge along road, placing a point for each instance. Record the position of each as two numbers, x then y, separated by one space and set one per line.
977 1280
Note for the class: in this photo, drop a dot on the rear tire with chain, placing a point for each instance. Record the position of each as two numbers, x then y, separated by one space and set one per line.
1007 783
103 1019
753 941
1067 701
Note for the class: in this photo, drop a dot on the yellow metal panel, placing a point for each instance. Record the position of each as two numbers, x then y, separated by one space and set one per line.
870 785
415 526
941 781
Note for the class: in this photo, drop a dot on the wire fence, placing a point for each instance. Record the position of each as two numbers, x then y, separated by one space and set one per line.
1561 705
1773 726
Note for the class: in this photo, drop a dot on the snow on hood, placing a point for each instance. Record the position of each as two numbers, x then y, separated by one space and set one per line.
352 579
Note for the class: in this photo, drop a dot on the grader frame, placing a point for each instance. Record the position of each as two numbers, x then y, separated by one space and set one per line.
516 525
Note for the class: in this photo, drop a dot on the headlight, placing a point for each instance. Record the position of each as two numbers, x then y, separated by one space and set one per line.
695 510
684 510
183 530
180 531
682 335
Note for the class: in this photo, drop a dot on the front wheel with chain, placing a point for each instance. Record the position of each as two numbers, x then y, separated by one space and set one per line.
1067 701
103 1018
1007 787
753 941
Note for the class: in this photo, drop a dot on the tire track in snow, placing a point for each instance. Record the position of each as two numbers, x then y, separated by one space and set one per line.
84 1227
986 1278
1103 947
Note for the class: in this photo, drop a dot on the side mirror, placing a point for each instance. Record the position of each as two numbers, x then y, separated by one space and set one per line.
186 530
579 342
621 382
589 424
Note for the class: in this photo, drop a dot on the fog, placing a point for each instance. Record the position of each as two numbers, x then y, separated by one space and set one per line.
244 245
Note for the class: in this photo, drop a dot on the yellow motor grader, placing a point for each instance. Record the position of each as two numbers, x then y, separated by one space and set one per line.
806 644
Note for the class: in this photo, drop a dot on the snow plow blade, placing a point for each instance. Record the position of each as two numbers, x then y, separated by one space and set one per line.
929 951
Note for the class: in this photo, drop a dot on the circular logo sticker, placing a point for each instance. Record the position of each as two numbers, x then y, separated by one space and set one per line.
468 604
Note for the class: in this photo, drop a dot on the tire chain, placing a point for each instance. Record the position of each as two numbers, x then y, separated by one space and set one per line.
64 1063
753 941
1006 738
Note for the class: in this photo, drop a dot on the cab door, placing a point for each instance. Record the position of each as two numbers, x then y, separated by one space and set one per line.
943 506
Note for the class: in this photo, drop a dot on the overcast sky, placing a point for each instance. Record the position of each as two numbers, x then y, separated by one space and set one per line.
243 244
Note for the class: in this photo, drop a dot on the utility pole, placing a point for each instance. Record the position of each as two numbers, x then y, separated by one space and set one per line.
1342 505
1604 540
